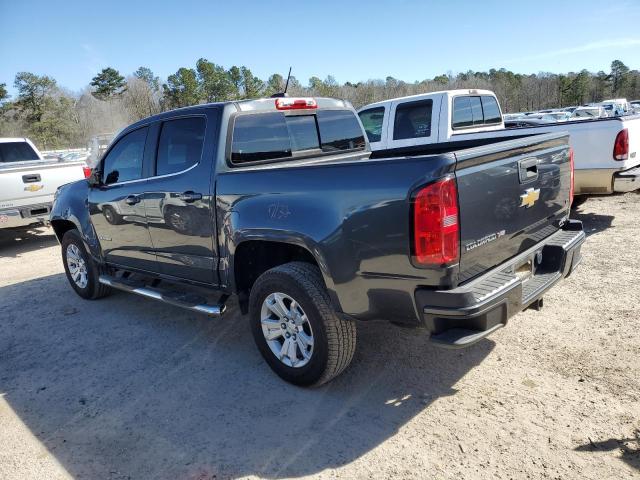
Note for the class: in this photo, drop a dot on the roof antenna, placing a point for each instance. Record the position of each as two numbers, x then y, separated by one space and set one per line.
286 86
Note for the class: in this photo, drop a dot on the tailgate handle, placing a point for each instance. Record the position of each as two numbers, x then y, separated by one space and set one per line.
528 170
31 178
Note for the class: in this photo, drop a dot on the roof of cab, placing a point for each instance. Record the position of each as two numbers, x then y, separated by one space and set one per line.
242 105
419 96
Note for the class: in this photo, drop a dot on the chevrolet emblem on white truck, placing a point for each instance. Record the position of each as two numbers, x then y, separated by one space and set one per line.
529 197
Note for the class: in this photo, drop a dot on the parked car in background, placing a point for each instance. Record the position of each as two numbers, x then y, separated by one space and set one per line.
607 150
28 182
614 107
310 234
591 112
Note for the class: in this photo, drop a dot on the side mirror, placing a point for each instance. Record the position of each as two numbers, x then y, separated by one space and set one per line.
95 179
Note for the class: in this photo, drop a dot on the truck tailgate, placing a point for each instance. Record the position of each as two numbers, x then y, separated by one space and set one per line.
30 183
511 195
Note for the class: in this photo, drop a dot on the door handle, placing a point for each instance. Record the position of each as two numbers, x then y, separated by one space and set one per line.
190 197
528 170
132 200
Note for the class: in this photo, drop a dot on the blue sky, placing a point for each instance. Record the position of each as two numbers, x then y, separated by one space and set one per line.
407 39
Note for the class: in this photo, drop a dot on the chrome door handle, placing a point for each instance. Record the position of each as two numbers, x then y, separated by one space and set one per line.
190 197
132 200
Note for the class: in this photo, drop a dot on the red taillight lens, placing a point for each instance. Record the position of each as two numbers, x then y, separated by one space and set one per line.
621 145
436 226
86 171
295 103
573 176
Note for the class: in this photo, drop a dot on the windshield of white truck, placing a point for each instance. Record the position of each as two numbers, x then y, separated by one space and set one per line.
17 152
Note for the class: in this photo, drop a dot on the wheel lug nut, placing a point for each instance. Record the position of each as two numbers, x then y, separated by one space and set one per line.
294 336
287 334
283 325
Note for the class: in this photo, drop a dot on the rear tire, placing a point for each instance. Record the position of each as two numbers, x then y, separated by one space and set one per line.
82 271
333 338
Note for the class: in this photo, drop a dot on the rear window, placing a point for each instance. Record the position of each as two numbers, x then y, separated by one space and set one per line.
473 111
274 135
491 110
413 120
17 152
372 122
339 130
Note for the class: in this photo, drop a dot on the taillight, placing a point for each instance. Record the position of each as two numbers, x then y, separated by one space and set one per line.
573 176
86 171
621 145
286 103
436 226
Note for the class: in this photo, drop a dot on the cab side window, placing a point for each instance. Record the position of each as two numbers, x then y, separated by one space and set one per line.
124 161
180 144
372 122
413 120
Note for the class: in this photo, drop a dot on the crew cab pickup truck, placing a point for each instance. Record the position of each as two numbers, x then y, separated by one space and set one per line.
28 182
607 150
277 202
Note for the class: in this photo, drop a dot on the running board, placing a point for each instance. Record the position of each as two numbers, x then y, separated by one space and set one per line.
189 301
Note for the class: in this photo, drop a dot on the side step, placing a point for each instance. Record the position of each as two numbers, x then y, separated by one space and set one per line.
189 301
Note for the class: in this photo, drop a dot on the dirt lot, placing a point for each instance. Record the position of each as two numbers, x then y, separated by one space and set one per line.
128 388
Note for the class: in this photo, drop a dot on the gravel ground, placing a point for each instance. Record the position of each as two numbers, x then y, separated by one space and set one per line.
127 388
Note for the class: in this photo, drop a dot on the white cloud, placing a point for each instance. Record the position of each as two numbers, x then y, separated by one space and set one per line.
587 47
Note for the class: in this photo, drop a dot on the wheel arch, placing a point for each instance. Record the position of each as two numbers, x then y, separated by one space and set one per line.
254 256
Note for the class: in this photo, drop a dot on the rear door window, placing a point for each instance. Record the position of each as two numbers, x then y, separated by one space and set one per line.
413 120
372 122
124 161
180 144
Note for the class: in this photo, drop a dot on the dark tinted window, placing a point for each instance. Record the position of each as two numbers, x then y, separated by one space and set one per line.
17 152
413 120
180 144
339 130
462 115
491 110
372 122
302 132
470 111
260 137
476 111
124 160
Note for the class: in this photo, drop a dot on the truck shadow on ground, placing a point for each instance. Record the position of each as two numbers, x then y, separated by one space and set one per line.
128 388
592 222
14 243
628 447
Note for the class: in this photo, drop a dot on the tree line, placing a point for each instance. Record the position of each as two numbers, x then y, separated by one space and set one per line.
54 117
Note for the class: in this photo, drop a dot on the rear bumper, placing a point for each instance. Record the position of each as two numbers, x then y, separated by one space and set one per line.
462 316
627 180
25 216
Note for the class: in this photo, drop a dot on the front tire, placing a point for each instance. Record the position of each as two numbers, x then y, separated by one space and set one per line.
82 272
295 328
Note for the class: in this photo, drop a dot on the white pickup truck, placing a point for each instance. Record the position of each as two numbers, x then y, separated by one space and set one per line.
606 151
28 182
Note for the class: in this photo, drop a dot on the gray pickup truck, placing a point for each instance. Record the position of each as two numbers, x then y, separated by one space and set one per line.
276 201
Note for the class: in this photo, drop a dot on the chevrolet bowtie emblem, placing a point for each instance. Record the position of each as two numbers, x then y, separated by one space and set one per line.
33 188
529 197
